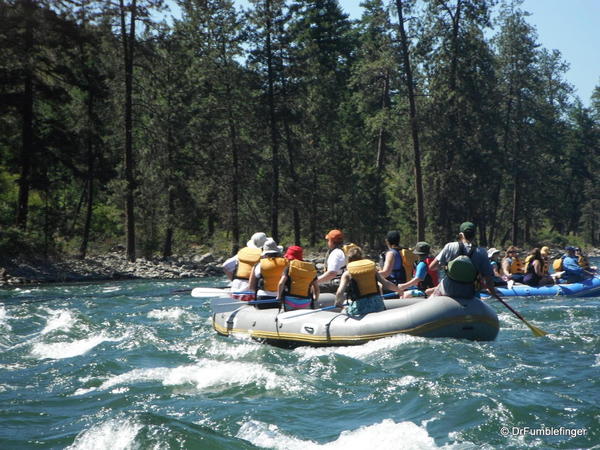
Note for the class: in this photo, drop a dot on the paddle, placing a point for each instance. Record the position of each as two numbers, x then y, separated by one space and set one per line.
300 312
215 292
218 306
536 331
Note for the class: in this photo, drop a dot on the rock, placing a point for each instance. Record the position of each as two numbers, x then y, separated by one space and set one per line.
204 259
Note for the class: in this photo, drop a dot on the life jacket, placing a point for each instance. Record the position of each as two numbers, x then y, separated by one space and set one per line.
583 262
516 266
545 266
301 274
363 274
408 260
398 274
271 270
428 281
557 264
247 258
434 274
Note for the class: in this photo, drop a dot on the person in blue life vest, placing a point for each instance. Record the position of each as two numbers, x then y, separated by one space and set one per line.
266 274
573 272
424 281
465 263
298 287
335 262
393 265
239 267
360 284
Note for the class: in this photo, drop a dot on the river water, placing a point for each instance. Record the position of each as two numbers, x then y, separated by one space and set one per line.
136 364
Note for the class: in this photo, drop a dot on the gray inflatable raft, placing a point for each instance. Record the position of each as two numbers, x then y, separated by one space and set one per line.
432 317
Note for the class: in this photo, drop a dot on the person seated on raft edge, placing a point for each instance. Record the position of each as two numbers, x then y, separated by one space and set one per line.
423 283
393 266
573 273
534 270
298 287
512 267
493 254
545 252
360 280
239 267
583 261
268 271
465 262
335 262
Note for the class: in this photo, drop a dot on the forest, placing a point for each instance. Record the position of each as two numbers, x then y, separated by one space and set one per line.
160 126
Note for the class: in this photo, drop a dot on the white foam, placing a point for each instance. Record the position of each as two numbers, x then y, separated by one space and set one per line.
4 319
206 375
172 314
62 350
113 434
59 320
387 434
365 351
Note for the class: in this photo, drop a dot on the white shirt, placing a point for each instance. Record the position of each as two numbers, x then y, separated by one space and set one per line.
336 261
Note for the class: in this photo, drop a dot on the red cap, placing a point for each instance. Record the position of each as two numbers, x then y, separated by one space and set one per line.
293 252
335 235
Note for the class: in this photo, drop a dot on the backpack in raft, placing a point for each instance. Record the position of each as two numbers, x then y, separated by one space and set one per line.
461 269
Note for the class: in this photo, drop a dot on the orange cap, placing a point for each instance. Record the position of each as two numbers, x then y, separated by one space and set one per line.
335 235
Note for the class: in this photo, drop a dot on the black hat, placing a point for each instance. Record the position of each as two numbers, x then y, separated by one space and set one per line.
422 248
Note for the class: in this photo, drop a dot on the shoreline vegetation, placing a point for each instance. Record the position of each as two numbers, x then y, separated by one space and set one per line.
114 265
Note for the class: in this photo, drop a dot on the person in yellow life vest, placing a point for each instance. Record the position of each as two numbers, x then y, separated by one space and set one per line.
360 281
266 274
512 266
239 267
583 260
298 287
545 251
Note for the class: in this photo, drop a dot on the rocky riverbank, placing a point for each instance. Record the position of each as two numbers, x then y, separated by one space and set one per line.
111 266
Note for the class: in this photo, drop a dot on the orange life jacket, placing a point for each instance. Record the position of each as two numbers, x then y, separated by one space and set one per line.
364 275
247 258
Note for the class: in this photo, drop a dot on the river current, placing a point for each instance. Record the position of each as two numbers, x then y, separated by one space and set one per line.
136 364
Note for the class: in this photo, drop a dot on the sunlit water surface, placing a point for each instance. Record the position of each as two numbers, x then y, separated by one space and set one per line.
136 364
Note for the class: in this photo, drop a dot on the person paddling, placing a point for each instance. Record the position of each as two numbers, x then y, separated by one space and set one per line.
267 273
239 267
465 263
298 287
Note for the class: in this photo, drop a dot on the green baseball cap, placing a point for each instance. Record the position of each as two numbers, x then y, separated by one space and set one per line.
467 227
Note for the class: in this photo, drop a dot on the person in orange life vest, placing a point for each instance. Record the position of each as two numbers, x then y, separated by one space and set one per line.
545 252
335 262
423 283
298 287
583 260
267 273
512 267
238 271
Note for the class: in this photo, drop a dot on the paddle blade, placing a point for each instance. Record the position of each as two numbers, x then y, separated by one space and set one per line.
536 331
300 312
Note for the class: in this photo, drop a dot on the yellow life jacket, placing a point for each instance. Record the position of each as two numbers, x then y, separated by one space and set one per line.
516 266
300 276
408 261
558 265
364 274
271 270
583 262
545 266
247 258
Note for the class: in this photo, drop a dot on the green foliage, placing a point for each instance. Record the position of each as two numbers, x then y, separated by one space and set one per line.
289 95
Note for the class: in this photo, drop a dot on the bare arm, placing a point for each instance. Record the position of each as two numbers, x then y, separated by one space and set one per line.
316 290
329 275
253 282
281 285
388 284
505 267
435 264
387 265
339 295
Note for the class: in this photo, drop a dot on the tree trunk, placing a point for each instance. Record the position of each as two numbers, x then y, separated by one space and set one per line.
128 49
414 126
90 203
273 126
27 126
515 225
